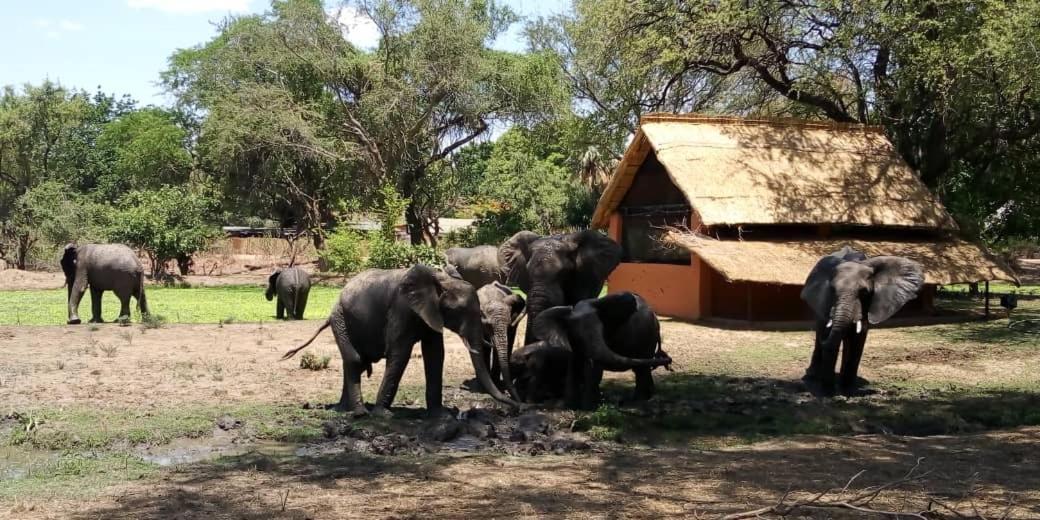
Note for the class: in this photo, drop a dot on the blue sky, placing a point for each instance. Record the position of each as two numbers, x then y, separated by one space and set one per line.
122 45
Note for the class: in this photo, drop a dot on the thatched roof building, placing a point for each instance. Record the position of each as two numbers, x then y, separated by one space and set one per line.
762 200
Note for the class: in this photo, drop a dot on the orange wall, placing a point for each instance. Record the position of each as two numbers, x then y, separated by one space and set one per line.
670 289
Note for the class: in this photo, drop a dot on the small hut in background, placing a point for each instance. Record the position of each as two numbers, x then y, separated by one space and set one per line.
759 202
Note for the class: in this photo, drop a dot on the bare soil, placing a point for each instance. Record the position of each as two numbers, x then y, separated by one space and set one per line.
711 472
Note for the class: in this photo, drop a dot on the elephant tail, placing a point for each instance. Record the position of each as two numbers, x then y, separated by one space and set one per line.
293 352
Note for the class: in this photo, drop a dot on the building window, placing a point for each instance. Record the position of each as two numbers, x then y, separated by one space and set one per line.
642 234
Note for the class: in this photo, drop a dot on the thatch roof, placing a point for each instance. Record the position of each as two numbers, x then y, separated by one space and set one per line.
767 171
789 261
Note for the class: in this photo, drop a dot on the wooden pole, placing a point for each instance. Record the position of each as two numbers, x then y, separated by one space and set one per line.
986 296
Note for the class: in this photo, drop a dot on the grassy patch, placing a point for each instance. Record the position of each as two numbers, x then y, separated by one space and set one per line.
73 474
175 305
995 287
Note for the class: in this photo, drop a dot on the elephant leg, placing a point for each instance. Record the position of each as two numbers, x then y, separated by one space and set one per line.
644 384
350 398
301 305
95 305
142 300
280 310
851 355
813 372
397 355
124 307
590 395
828 361
433 365
574 381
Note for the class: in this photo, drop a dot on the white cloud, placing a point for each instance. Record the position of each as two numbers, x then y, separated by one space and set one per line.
53 29
357 28
190 6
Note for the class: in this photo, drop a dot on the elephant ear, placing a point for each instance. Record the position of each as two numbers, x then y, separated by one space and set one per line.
505 289
818 291
513 255
423 293
451 271
271 280
897 280
550 326
516 305
615 308
595 258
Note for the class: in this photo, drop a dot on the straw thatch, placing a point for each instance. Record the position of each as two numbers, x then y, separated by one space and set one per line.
789 262
743 171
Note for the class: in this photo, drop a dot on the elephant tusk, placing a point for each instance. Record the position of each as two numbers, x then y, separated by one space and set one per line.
517 320
830 323
859 326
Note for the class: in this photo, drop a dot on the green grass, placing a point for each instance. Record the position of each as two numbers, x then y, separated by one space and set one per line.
177 305
75 474
996 287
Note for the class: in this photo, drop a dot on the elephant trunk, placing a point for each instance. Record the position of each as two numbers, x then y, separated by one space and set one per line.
539 299
601 353
500 342
480 366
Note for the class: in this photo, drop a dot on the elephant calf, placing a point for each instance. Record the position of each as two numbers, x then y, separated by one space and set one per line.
292 285
102 267
617 332
500 312
540 371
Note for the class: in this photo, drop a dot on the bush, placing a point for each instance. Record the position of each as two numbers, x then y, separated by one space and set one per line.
391 254
310 361
344 251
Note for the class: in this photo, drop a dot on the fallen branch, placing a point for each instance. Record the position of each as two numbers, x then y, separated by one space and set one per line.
859 502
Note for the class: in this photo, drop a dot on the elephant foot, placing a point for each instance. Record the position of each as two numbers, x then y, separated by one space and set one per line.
352 412
74 321
96 320
818 388
123 320
382 412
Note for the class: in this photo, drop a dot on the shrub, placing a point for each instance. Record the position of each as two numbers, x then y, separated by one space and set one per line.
152 321
310 361
391 254
344 251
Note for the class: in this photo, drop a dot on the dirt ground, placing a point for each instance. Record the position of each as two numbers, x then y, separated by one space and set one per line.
147 371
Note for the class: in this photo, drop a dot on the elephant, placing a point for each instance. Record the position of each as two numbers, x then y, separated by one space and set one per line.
617 332
384 313
482 265
500 312
848 292
102 267
539 371
559 269
292 286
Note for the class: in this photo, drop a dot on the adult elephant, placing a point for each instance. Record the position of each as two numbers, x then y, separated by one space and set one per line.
848 292
102 267
292 285
500 312
384 313
618 332
482 265
559 269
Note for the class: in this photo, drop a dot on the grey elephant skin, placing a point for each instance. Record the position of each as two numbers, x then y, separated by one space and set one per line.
102 267
383 313
540 371
500 313
848 293
482 265
558 269
292 286
617 332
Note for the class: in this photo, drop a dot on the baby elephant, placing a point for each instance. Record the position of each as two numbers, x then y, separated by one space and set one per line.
539 371
617 332
292 286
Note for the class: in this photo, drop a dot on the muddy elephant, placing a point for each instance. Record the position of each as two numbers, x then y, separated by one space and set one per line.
539 371
500 312
383 313
102 267
848 293
291 285
559 269
618 332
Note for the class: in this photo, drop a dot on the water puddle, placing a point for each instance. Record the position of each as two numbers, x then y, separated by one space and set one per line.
220 444
17 463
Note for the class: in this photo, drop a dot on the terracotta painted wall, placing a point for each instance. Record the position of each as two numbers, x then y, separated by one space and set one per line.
671 290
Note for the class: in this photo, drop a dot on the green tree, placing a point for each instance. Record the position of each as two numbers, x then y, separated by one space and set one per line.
147 149
168 223
288 85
